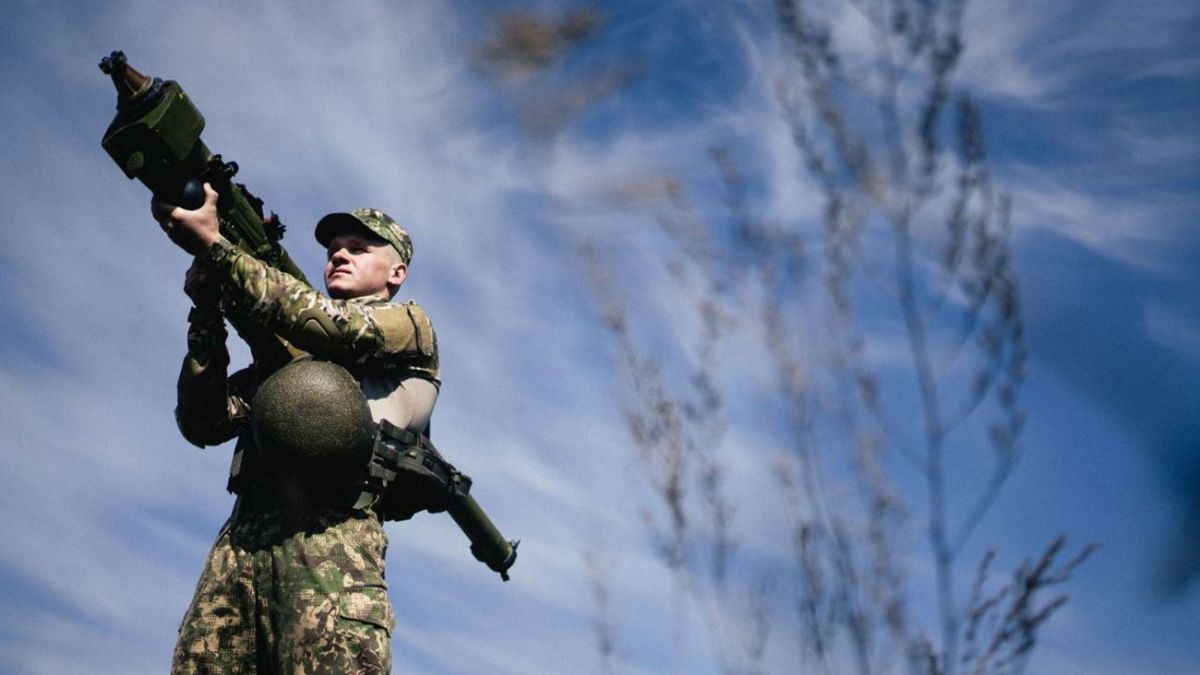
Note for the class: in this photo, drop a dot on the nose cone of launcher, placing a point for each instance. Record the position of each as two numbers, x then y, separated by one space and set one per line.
131 85
155 135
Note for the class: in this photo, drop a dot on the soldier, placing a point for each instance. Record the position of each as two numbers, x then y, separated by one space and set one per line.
295 581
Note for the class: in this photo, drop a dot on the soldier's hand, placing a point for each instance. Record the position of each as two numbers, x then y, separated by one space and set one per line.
192 230
204 291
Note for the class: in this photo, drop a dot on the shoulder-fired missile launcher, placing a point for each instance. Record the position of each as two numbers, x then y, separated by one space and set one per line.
155 138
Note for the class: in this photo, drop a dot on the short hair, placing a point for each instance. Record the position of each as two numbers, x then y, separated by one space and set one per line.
393 254
394 258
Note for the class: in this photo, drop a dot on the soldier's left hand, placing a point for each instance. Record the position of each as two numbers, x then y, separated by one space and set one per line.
192 230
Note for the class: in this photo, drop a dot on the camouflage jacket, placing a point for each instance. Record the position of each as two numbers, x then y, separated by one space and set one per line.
365 335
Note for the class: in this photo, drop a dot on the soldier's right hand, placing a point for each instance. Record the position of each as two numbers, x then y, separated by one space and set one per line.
193 230
204 291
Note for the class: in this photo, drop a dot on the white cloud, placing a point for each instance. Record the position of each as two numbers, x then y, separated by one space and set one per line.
1174 329
1006 53
374 103
1134 232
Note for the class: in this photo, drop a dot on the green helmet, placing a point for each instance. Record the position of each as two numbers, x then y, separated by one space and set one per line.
311 416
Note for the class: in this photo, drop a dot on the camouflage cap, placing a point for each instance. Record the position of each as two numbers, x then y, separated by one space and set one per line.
378 222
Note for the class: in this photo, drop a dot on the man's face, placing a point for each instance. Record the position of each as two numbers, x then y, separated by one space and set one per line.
361 264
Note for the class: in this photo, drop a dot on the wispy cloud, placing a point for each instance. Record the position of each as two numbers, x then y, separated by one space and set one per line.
110 513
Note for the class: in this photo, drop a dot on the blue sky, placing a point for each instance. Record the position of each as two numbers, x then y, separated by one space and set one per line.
1091 112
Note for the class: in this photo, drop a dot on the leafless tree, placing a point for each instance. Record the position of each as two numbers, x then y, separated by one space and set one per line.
910 256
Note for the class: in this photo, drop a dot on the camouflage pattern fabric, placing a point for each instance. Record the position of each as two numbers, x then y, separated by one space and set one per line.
355 333
210 407
378 222
285 592
291 593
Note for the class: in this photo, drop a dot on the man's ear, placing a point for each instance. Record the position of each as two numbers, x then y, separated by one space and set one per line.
399 274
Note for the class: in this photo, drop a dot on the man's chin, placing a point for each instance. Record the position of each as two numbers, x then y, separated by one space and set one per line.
336 290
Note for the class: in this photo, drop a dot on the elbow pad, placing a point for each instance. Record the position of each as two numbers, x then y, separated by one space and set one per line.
315 327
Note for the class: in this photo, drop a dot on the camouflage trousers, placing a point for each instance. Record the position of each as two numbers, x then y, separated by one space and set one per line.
288 593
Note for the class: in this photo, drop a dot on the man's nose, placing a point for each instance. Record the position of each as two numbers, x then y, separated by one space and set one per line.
339 255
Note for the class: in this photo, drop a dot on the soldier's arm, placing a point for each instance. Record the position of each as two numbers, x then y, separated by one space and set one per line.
349 332
210 406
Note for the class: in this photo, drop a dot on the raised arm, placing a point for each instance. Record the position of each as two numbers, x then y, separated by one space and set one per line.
210 406
351 332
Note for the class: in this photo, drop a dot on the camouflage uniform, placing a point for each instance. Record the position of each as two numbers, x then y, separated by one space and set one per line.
281 591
